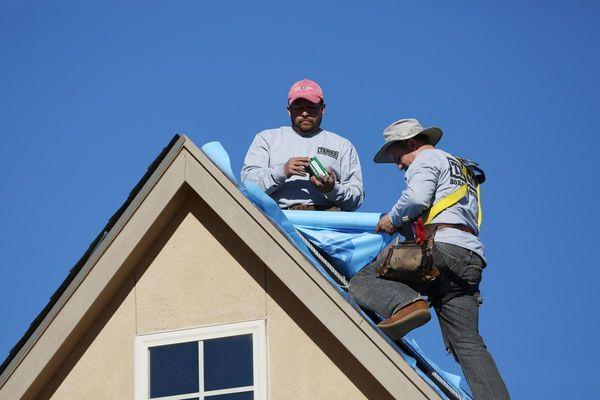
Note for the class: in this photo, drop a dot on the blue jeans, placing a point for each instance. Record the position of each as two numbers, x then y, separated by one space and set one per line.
455 297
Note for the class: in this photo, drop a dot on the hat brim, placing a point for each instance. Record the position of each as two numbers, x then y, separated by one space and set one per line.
313 98
434 134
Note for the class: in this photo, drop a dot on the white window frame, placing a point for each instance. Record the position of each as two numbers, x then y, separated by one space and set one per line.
259 354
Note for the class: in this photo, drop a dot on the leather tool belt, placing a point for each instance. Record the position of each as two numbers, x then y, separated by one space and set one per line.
410 262
430 229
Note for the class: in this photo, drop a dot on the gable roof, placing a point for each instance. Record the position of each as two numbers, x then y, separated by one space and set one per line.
183 168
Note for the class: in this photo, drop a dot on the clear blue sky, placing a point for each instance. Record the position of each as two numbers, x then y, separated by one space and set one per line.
90 92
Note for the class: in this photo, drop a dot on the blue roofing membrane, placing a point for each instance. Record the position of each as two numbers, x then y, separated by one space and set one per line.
350 243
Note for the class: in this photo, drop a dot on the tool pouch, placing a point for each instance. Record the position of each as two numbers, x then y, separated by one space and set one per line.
410 262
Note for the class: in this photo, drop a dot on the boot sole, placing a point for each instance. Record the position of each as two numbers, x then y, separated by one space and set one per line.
398 329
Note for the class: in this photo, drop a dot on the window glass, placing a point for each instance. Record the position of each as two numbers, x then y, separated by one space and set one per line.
174 369
228 363
233 396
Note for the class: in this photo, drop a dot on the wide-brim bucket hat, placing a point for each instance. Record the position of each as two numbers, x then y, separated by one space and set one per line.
405 129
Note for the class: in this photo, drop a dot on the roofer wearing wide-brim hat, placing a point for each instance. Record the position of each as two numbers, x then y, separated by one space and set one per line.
278 159
443 192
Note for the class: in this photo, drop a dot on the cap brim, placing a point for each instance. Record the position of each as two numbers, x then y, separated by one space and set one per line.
313 98
434 134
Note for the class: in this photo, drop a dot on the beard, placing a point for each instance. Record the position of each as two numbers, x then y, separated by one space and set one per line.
306 125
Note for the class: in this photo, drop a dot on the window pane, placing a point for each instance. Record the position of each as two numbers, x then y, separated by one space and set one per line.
174 369
233 396
228 362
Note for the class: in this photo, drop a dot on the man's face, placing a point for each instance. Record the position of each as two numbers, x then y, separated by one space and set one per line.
306 116
400 154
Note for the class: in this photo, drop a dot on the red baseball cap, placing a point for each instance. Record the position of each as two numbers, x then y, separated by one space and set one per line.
305 89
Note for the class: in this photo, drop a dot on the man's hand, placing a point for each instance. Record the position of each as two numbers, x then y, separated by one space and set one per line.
385 225
295 166
326 185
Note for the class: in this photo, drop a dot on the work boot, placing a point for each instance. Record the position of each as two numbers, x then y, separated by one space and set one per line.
406 319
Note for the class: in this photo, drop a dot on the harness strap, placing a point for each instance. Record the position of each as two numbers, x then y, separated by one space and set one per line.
452 199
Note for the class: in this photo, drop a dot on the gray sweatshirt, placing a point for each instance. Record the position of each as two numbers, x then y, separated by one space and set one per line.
272 148
433 175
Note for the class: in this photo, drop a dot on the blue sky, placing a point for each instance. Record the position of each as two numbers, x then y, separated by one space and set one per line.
90 92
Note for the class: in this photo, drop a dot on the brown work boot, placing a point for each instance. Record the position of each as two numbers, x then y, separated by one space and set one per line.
406 319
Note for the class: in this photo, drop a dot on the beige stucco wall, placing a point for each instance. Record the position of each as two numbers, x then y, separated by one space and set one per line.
190 279
193 281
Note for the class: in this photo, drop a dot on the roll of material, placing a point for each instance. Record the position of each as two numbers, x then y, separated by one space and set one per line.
348 239
338 220
218 155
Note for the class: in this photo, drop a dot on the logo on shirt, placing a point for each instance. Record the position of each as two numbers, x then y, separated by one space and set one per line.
457 178
328 152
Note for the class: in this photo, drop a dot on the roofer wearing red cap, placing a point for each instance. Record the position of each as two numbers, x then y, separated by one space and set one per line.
278 159
443 191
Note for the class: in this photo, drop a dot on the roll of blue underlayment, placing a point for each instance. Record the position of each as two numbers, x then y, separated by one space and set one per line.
339 220
219 156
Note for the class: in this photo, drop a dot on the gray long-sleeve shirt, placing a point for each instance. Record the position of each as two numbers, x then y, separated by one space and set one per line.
272 148
433 175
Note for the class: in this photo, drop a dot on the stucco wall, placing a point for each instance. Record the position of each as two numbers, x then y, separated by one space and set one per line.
193 281
197 275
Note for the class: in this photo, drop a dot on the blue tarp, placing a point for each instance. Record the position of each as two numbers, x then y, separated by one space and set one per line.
350 243
348 239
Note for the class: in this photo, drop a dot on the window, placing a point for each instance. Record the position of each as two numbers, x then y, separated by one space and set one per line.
224 362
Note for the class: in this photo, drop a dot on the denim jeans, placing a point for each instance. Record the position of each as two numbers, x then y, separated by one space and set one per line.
455 297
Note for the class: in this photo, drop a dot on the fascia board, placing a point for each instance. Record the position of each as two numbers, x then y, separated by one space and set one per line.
95 275
296 272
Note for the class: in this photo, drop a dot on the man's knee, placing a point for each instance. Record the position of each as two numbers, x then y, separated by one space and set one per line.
362 286
357 287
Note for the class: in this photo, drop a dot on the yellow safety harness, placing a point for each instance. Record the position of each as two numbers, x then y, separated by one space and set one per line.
455 197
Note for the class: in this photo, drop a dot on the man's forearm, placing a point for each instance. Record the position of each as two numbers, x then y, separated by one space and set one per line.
348 194
411 204
268 179
347 197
